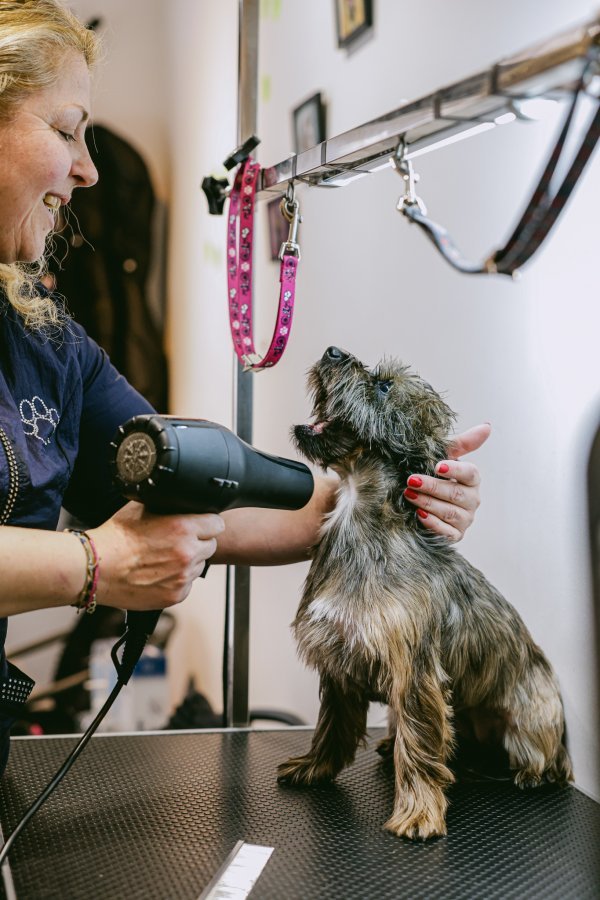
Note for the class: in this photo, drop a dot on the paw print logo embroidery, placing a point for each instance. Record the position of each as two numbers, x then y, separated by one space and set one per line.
38 420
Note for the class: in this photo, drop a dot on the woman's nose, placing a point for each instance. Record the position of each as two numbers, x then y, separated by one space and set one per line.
84 170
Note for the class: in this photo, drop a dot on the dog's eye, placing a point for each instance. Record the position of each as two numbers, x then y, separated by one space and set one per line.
384 387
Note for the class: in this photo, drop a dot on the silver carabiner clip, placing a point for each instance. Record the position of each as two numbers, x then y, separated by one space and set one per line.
404 168
290 209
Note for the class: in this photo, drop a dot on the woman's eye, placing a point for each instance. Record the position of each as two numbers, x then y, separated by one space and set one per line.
384 387
65 134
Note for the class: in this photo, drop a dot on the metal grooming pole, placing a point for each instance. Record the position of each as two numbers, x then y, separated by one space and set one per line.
463 109
236 656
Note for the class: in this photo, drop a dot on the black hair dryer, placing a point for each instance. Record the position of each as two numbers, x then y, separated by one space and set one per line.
193 466
176 465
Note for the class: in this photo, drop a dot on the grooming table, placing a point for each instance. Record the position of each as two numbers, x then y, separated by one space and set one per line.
155 816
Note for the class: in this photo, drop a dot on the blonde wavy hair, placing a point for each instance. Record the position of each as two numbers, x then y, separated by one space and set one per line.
32 35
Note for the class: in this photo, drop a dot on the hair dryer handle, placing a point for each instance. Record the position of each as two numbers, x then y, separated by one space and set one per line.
142 622
140 625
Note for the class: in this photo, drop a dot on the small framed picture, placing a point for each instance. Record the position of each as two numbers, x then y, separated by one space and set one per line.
279 227
353 18
309 123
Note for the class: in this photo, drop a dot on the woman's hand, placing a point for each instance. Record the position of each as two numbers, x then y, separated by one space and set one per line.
150 561
447 504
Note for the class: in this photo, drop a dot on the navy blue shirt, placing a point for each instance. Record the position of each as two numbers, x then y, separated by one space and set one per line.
61 401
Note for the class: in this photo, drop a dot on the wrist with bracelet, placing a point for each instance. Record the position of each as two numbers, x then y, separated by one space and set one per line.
86 600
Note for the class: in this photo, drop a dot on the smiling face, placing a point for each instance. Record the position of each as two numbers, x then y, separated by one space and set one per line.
43 157
388 413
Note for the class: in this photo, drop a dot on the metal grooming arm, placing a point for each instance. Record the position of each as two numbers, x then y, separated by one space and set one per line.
458 111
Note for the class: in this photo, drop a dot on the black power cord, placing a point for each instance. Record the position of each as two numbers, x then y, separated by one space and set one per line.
134 640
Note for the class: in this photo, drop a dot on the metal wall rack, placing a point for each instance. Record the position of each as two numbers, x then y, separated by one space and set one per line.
462 109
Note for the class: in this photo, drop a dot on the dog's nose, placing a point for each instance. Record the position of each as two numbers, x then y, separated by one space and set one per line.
334 354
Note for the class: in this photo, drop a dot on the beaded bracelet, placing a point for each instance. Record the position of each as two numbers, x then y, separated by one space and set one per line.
87 597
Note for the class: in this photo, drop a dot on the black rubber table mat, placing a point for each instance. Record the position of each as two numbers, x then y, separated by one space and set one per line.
154 816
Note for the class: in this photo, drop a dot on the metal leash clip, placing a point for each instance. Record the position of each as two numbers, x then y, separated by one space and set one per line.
290 209
404 168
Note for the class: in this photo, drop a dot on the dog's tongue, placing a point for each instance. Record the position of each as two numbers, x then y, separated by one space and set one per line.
317 427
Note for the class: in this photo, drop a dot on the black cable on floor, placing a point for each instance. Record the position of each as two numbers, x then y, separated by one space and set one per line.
123 674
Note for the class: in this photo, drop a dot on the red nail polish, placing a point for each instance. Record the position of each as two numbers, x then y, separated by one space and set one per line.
415 481
412 495
443 468
422 514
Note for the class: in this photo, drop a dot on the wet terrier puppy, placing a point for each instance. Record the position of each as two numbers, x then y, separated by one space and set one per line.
391 612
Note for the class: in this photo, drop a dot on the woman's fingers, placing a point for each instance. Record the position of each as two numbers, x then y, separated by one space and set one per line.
150 561
469 440
446 504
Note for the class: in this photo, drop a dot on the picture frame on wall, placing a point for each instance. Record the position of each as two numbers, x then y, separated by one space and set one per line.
279 227
353 19
309 120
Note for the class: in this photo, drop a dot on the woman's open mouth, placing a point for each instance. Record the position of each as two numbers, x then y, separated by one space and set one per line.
52 202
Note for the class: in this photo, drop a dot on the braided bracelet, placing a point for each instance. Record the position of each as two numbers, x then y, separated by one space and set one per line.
87 597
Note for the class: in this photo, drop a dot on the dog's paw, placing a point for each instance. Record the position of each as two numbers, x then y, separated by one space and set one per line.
561 770
558 770
419 826
419 814
557 774
303 771
527 778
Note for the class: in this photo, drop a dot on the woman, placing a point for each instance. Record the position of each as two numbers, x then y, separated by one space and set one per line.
61 400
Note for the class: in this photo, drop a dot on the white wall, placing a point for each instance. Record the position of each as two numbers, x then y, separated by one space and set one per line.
522 355
130 83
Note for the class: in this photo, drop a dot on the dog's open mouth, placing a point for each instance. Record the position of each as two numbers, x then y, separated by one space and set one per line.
317 427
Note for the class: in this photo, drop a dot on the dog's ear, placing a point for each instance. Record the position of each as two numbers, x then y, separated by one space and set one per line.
421 423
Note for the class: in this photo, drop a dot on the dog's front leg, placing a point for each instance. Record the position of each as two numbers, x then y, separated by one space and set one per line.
423 742
340 728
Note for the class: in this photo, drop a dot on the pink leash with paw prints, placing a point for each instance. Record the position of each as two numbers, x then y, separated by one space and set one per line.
240 238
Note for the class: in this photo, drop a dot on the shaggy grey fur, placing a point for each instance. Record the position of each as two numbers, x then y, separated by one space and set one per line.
392 612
